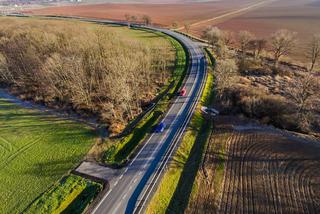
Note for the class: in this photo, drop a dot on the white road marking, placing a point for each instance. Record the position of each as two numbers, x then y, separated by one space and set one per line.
115 210
125 195
167 132
197 76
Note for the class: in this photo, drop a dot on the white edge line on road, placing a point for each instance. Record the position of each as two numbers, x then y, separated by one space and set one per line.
183 128
185 103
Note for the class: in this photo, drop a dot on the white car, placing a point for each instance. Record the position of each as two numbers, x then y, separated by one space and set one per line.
209 111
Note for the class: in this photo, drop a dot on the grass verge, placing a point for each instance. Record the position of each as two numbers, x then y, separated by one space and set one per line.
175 188
72 194
219 171
210 177
119 150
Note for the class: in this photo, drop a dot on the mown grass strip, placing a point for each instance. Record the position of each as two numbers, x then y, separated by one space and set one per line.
118 151
72 194
175 188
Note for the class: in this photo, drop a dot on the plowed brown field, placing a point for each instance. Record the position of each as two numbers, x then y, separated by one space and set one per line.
162 13
262 172
262 17
299 16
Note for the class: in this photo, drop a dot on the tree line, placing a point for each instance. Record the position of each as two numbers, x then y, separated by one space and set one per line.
134 19
279 44
90 69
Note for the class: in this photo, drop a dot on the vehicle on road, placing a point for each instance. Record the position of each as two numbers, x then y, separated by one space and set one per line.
160 127
183 92
209 111
148 165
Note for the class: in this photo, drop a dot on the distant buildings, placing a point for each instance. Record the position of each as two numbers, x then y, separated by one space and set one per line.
16 6
35 2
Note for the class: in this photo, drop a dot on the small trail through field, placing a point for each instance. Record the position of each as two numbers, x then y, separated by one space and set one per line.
231 13
264 172
16 153
5 145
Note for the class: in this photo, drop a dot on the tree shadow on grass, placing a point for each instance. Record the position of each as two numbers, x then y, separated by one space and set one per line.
179 201
138 135
80 203
53 168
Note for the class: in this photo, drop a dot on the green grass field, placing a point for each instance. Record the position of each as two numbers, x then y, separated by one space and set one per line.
36 150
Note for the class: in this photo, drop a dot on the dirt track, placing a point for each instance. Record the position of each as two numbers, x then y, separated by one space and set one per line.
264 172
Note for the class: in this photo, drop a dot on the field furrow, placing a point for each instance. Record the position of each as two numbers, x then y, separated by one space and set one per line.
229 178
264 172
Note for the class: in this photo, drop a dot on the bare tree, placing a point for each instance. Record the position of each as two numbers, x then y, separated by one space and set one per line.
304 94
226 74
282 42
187 27
257 46
146 20
303 91
128 19
5 75
215 37
133 19
174 25
228 37
314 51
245 38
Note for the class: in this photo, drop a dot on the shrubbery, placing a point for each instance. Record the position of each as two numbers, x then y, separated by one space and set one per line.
269 109
250 83
276 110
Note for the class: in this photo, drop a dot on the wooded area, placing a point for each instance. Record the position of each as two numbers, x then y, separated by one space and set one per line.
91 69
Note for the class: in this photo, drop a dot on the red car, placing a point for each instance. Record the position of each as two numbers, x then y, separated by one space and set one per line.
183 92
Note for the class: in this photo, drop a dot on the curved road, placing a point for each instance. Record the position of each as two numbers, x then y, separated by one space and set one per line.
130 190
135 183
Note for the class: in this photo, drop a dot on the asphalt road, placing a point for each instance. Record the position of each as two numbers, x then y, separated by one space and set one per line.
135 178
132 187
